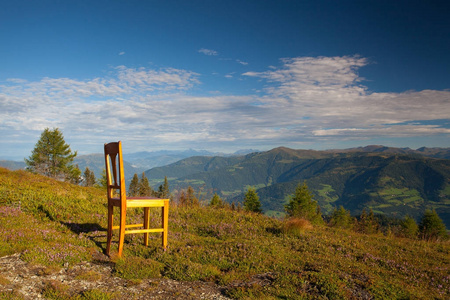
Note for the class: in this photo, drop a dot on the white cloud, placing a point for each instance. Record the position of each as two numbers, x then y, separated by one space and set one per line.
122 53
326 95
242 62
307 99
208 52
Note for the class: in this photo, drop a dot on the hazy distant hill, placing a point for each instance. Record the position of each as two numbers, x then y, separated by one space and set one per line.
12 165
138 162
424 151
96 163
388 180
147 160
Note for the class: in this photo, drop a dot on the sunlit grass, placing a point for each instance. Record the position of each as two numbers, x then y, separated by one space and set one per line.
251 255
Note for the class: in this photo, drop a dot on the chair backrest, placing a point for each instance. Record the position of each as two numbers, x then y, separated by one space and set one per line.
115 178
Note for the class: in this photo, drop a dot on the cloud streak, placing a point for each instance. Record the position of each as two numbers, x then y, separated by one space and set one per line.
306 100
208 52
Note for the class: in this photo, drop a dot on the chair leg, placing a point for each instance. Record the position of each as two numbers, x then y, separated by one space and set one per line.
121 231
146 224
109 230
165 222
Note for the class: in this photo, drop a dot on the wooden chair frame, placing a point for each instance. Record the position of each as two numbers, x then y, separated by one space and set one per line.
116 182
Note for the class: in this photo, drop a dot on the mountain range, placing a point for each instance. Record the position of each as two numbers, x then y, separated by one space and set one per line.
390 181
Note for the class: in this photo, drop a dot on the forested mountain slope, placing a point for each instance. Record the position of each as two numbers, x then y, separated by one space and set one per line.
388 182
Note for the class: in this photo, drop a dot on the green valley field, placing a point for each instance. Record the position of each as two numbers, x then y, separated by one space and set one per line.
56 225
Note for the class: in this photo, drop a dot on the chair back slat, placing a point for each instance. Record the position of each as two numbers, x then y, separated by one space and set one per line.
114 170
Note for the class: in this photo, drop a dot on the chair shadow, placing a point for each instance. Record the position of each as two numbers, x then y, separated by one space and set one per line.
86 228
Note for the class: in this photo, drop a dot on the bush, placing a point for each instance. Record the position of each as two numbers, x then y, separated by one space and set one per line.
296 226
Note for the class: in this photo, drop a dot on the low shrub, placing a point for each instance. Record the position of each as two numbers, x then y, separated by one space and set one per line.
296 226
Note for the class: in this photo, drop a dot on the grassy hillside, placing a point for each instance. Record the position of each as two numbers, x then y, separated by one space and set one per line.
387 181
251 256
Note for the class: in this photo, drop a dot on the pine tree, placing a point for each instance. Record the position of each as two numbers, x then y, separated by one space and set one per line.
145 189
182 198
188 198
302 205
432 227
102 181
163 190
251 201
409 227
52 157
133 188
216 201
191 199
341 218
367 222
89 177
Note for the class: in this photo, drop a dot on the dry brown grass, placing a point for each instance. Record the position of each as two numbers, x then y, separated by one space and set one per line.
297 226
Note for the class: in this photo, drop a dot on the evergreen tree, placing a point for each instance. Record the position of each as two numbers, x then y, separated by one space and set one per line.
341 218
133 188
251 201
432 227
216 201
409 227
52 157
163 190
187 198
74 176
182 198
102 181
302 205
367 222
144 187
89 177
191 199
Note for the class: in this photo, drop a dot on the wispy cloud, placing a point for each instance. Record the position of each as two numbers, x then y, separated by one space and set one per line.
306 99
208 52
242 62
122 53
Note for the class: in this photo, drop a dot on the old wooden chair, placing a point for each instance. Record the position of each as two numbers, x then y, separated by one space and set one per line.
117 197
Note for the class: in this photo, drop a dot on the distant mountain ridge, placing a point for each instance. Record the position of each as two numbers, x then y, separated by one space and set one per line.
12 165
136 162
392 181
429 152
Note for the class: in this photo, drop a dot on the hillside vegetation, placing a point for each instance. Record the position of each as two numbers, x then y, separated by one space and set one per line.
251 256
391 183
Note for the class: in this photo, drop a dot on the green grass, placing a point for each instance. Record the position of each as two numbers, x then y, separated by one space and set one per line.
252 256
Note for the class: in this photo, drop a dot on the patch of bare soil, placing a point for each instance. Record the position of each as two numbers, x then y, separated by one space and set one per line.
30 281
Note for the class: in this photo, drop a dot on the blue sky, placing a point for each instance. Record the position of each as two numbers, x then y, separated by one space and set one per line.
224 75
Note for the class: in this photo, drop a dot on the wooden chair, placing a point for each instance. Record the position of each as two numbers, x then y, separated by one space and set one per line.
116 182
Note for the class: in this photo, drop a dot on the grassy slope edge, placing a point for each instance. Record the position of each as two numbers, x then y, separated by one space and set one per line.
55 224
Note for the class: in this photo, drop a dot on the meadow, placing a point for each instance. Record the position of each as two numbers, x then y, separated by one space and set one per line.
57 224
